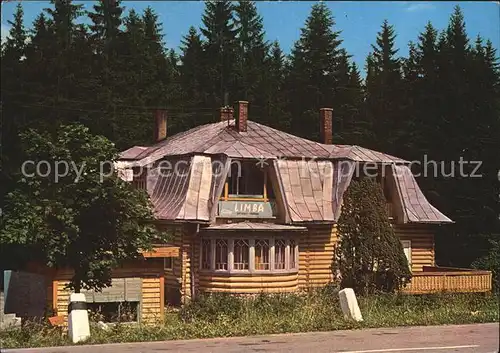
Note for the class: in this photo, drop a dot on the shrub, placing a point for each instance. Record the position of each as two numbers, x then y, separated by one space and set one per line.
491 262
369 255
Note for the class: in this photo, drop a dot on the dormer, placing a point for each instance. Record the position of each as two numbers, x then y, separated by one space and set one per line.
248 191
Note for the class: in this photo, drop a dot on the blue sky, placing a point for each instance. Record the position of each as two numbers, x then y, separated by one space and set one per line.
358 21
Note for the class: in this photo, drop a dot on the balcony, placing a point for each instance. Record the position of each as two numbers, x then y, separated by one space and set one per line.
447 279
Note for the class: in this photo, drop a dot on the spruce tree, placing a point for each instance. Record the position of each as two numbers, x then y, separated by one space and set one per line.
105 28
274 112
220 51
13 57
251 51
314 63
192 78
383 92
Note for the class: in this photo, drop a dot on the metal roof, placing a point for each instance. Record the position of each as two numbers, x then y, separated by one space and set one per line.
254 226
259 141
416 208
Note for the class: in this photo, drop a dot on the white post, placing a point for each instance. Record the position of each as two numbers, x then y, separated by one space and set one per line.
349 304
78 318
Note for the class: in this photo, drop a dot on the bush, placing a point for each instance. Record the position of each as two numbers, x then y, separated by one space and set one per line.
491 262
369 255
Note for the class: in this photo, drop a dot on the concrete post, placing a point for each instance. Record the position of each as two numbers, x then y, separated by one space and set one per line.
349 304
78 318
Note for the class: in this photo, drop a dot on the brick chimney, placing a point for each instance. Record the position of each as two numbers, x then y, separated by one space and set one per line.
160 130
241 116
226 113
325 125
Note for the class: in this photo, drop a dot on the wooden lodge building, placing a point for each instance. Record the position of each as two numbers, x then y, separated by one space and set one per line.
251 209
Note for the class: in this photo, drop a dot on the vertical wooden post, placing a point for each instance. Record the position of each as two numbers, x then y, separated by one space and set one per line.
55 284
265 186
162 296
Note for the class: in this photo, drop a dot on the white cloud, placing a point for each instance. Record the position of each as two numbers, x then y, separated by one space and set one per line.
421 6
5 32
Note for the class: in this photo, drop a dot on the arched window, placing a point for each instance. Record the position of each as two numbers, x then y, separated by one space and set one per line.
280 254
221 254
262 261
241 254
293 254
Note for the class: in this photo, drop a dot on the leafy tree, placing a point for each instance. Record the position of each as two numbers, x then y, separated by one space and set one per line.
369 256
314 63
86 218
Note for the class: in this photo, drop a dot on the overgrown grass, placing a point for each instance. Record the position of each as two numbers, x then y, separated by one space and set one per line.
319 310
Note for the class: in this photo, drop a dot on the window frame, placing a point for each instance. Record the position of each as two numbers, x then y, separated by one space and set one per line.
252 239
170 261
406 244
242 197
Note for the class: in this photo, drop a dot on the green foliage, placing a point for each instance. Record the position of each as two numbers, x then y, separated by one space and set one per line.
315 310
87 219
369 257
491 262
314 64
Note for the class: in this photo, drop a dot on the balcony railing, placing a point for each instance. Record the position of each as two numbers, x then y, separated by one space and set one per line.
447 279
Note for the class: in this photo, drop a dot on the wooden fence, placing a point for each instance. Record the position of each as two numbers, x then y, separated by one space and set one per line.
446 279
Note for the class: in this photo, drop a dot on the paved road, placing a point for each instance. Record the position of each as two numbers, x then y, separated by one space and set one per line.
479 338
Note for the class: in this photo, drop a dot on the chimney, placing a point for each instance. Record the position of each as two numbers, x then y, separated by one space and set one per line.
160 131
241 116
325 122
226 113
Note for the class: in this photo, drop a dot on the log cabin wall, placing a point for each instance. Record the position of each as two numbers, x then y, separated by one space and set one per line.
249 284
316 253
151 294
421 237
173 275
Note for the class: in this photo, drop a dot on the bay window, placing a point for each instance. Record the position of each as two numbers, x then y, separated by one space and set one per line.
249 254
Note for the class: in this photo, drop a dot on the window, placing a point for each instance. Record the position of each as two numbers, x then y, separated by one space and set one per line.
252 253
407 249
206 254
293 254
241 254
221 254
246 180
280 254
262 254
168 263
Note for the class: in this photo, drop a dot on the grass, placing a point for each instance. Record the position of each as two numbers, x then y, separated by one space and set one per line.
319 310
